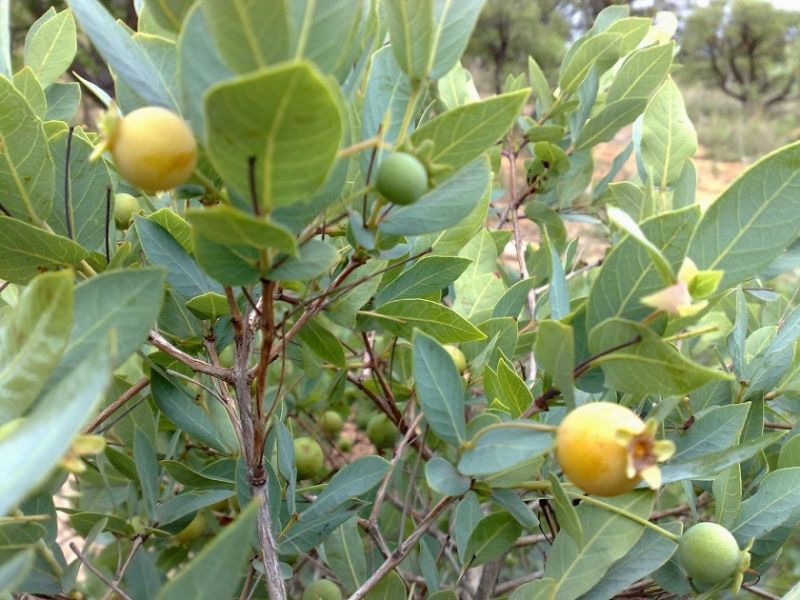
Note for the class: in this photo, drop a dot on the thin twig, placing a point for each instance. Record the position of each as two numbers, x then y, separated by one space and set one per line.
160 342
107 224
137 543
117 404
759 592
97 572
67 190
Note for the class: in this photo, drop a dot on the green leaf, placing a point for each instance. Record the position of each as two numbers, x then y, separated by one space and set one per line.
120 304
479 288
641 73
509 500
209 306
169 13
624 221
51 47
177 403
25 81
186 504
430 317
707 466
502 446
603 47
412 34
444 206
540 589
29 453
538 81
229 266
715 430
461 135
323 343
249 34
26 251
443 478
650 552
14 570
88 183
439 389
194 480
607 537
126 58
632 29
390 587
183 274
606 124
199 66
762 199
219 567
388 94
27 175
555 352
565 512
144 455
774 504
790 453
514 299
491 538
649 365
357 478
628 273
668 137
428 275
512 394
175 225
33 337
62 101
229 227
344 554
454 23
727 489
315 258
293 136
468 515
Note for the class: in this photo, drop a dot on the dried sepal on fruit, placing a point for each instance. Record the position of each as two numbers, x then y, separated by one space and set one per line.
606 449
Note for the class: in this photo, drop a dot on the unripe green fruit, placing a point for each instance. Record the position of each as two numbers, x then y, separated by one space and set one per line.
345 444
401 178
458 357
322 589
226 357
709 553
125 206
308 457
192 531
381 432
331 423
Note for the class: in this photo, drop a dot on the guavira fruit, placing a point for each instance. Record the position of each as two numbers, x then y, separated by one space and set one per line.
606 449
709 553
153 148
401 178
381 431
458 357
308 457
322 589
193 530
345 444
125 206
331 423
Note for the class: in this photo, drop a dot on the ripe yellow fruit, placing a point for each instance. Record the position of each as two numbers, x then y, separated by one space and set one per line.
153 149
458 357
590 452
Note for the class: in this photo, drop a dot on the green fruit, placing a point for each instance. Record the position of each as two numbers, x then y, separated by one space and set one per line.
382 432
192 531
226 357
331 423
308 457
345 444
322 589
709 553
401 178
458 357
125 206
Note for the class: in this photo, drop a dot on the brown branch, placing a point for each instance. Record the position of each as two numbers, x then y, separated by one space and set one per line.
160 342
117 404
98 573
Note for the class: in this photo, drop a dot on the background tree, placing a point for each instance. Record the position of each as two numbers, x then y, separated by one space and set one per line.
509 31
747 48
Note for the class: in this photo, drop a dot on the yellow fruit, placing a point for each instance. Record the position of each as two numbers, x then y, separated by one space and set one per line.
458 357
308 457
153 149
192 531
590 451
